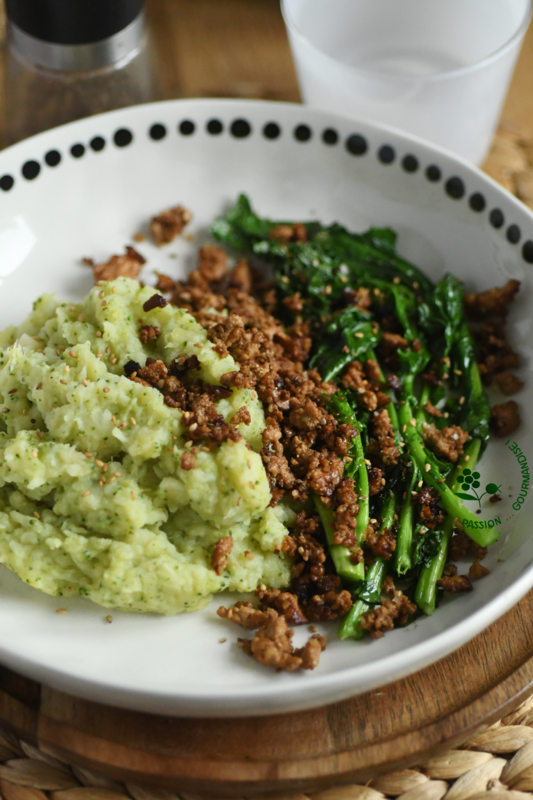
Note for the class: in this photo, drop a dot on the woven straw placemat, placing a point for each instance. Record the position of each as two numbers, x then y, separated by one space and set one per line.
497 763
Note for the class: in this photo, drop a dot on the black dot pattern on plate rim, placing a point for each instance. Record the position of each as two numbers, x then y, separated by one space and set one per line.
514 234
7 182
302 133
157 131
330 136
271 130
455 187
214 127
123 137
496 218
240 128
52 158
410 163
31 169
97 144
356 145
477 202
186 127
527 251
386 154
433 173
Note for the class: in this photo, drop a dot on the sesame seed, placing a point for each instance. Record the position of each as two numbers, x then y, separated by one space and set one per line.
221 641
99 463
106 389
114 419
63 381
109 618
86 494
88 455
117 474
467 458
114 289
427 467
133 422
104 468
80 318
239 501
99 355
133 496
101 295
111 480
249 464
368 463
67 368
458 371
414 494
206 449
122 425
101 482
98 334
404 428
34 453
61 611
12 391
39 386
36 515
24 412
412 422
39 434
188 445
5 410
420 484
73 354
38 339
415 285
104 303
461 401
193 427
108 349
396 280
85 382
360 335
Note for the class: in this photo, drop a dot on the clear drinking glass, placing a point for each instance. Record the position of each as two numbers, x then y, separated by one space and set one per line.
435 68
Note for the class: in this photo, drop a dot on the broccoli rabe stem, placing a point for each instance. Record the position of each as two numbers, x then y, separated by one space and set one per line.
345 568
433 477
404 540
349 627
426 590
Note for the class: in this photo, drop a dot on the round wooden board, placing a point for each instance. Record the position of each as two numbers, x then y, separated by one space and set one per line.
397 726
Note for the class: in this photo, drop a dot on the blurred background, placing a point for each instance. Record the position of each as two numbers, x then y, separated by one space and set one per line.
239 48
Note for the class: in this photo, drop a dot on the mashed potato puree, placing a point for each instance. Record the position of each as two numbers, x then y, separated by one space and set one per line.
143 540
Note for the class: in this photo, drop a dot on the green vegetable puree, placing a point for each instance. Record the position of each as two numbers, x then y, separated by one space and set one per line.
69 418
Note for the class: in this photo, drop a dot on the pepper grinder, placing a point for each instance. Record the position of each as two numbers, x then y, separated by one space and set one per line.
67 59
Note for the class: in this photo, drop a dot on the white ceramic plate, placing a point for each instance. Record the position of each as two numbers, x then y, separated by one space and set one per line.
63 195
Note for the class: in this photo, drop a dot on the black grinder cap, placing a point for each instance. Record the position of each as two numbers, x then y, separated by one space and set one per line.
72 21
